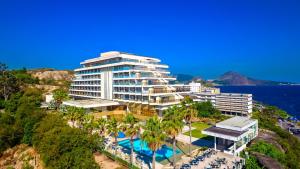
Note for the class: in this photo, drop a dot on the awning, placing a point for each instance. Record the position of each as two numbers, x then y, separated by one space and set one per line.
90 103
224 133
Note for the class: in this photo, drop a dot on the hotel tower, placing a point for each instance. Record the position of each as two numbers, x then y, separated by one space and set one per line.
142 85
129 79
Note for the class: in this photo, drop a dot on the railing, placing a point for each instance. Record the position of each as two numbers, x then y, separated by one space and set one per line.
164 101
156 91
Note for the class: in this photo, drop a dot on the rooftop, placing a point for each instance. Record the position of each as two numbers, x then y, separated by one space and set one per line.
90 103
237 123
222 131
113 54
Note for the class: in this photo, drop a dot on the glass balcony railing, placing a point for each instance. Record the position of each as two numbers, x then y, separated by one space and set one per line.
118 61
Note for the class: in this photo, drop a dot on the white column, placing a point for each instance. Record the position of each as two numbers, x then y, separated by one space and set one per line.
215 143
234 148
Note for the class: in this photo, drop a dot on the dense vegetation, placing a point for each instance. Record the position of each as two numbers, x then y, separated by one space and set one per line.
206 109
20 105
267 149
22 121
267 119
20 116
62 147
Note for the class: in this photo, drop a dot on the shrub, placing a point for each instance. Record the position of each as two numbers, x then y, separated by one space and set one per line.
268 150
61 146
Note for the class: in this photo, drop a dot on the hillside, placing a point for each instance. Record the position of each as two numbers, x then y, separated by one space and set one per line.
46 74
185 78
51 79
234 78
21 156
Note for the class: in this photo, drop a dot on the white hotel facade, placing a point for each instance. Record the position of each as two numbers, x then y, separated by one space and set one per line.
141 83
127 78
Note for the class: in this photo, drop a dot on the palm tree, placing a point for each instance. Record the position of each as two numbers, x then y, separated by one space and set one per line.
71 114
113 128
59 95
80 114
101 126
131 128
173 124
74 114
154 135
88 123
189 108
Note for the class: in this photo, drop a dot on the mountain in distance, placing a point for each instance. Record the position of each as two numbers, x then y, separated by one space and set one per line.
232 78
186 78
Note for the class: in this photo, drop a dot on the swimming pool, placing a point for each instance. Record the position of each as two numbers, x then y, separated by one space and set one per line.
140 146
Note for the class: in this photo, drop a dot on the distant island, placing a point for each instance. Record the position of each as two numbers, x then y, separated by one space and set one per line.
231 78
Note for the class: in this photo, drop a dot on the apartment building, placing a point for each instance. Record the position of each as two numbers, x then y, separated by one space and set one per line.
234 103
228 103
127 78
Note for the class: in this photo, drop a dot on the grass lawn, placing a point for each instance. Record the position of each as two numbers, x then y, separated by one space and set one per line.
199 126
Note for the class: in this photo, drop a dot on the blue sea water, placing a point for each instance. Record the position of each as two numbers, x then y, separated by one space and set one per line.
284 97
161 154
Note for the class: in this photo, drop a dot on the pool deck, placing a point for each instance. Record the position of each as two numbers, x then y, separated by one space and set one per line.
229 158
144 161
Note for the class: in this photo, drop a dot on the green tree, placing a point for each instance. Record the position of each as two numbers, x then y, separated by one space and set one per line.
251 163
268 149
206 109
59 95
189 110
101 126
88 123
62 147
131 128
173 123
8 82
17 125
23 77
154 135
11 105
113 128
32 97
74 114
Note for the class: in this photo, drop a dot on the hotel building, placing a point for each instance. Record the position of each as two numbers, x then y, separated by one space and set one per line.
228 103
127 79
143 85
234 103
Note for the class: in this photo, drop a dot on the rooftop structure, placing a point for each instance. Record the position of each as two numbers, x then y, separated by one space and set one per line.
232 135
236 123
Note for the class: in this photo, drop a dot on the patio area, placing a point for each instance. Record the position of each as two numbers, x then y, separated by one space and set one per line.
212 159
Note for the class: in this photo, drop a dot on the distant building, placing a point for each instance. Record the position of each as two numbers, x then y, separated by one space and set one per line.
195 87
228 103
232 135
234 103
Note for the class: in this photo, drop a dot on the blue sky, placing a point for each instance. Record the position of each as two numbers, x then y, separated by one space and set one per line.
260 39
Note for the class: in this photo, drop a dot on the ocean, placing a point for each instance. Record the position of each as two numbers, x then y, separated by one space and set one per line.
284 97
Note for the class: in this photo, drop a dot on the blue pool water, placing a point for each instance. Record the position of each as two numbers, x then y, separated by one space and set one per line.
121 135
163 153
